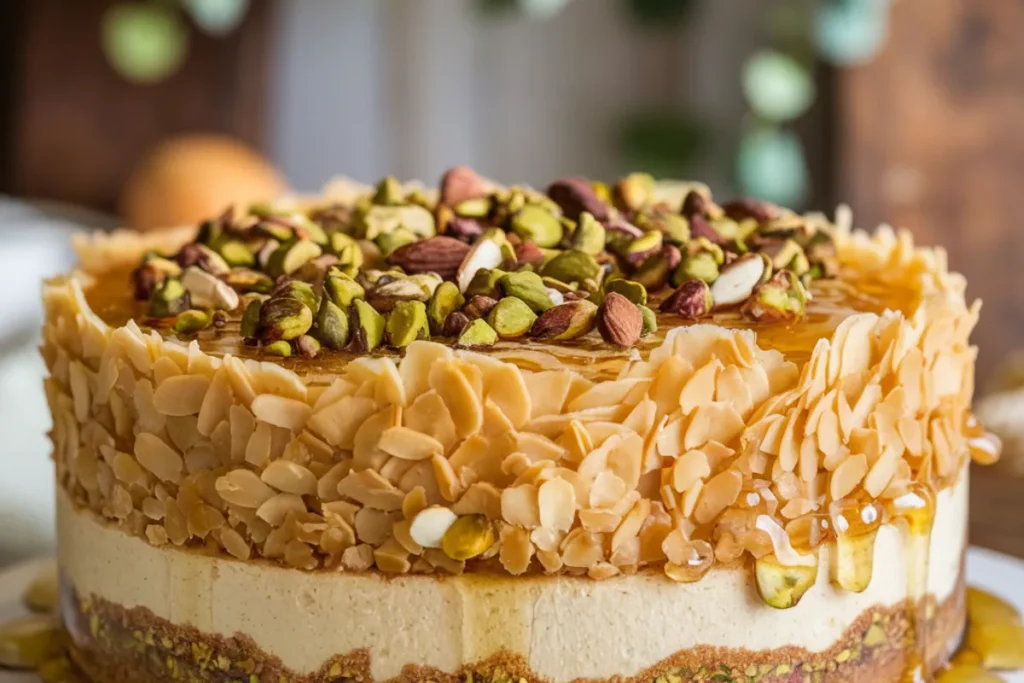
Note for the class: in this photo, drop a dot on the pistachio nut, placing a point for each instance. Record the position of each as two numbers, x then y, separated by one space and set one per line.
341 289
236 253
589 236
337 242
529 254
427 282
454 324
381 220
576 195
747 208
783 297
486 254
691 300
465 229
367 327
485 282
283 318
675 228
191 321
291 256
250 319
654 273
529 287
265 252
445 299
278 348
390 241
698 203
386 296
537 224
700 265
153 271
332 325
634 291
701 227
389 192
274 231
245 280
634 192
511 318
467 537
568 321
782 586
650 321
407 323
477 333
201 256
572 265
307 346
298 290
477 207
307 229
479 306
169 299
637 251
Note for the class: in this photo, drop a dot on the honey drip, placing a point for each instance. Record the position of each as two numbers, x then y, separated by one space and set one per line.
856 526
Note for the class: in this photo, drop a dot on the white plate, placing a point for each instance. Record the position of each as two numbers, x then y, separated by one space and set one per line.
995 572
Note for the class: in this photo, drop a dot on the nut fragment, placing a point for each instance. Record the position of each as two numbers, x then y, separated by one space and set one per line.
459 184
430 525
737 281
283 318
407 323
477 333
571 266
332 325
538 225
782 586
445 299
367 327
441 255
485 255
468 537
529 288
619 320
781 298
576 195
692 300
511 318
567 321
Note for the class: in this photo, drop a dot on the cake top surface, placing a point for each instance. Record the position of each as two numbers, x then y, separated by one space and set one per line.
585 272
289 384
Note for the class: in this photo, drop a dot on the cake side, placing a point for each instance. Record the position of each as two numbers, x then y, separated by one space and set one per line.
299 624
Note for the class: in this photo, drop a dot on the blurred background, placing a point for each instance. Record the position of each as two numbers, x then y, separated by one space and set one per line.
156 112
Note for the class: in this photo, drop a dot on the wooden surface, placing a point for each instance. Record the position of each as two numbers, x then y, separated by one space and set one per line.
78 127
997 510
932 138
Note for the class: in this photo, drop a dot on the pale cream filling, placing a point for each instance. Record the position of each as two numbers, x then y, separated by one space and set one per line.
565 627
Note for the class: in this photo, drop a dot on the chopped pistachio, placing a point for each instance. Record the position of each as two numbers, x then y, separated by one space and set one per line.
654 273
634 291
291 256
332 325
675 227
701 265
407 323
692 300
782 297
478 333
572 265
642 247
635 191
511 318
284 318
298 290
307 346
275 231
191 321
389 192
537 224
650 325
477 207
279 348
246 280
341 289
567 321
390 241
367 326
529 287
589 236
382 220
169 299
454 324
468 537
236 253
485 282
479 306
445 299
251 319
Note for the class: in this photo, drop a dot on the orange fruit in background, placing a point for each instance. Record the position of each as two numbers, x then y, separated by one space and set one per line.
189 178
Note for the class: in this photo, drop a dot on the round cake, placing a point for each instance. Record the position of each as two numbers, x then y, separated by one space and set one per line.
483 433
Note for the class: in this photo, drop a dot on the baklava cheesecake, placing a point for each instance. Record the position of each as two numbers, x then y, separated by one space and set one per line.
481 433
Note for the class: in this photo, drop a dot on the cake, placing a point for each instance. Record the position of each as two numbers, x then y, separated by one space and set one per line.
602 432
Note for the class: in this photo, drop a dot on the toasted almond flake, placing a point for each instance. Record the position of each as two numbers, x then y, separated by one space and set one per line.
600 521
688 469
414 368
257 451
243 488
506 388
79 380
642 418
158 458
544 538
624 460
290 477
405 443
699 389
483 457
537 447
367 453
712 422
181 395
429 415
494 421
448 483
516 550
277 507
550 560
608 394
583 550
480 498
668 383
358 558
458 395
372 490
607 490
234 543
881 473
373 526
548 391
556 500
721 491
519 506
631 523
414 501
279 411
847 476
808 460
337 423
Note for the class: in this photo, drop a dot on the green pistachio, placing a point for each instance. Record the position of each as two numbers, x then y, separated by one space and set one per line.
341 289
644 245
332 325
191 321
350 259
310 230
210 232
511 318
675 227
558 285
477 333
291 256
169 299
589 236
654 273
300 291
246 280
650 324
278 348
485 282
389 192
781 298
388 242
307 346
634 291
284 318
508 255
427 282
726 228
701 265
529 287
570 320
407 323
572 265
382 220
478 207
339 240
445 299
493 234
236 253
635 191
538 225
367 327
275 231
211 261
250 319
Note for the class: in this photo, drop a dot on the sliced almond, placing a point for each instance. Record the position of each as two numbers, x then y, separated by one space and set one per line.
486 253
736 281
429 526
